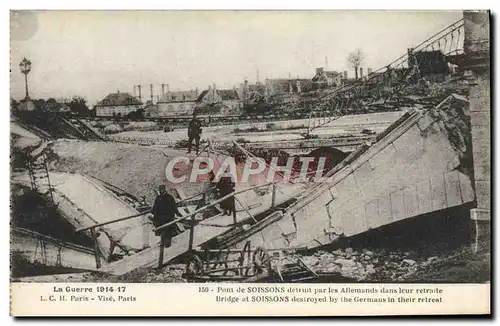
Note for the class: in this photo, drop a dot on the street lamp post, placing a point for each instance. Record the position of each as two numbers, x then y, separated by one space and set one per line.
25 66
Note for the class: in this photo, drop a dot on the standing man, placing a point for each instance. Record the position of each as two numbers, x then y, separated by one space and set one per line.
194 132
226 186
164 211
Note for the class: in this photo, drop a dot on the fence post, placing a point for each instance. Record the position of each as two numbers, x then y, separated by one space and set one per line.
191 234
162 249
96 248
273 198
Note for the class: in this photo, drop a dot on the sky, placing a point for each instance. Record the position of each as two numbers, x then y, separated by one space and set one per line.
93 53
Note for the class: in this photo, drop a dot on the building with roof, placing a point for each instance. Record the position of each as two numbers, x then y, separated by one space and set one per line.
251 94
117 104
285 90
324 79
177 102
152 110
225 101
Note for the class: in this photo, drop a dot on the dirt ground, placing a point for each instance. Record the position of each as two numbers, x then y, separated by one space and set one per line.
135 169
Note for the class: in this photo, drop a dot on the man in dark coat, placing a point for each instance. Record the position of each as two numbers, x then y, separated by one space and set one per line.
164 211
194 132
225 186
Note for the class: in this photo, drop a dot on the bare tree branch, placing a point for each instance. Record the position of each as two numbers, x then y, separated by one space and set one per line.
355 60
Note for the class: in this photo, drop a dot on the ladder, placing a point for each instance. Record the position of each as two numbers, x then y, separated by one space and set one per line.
39 176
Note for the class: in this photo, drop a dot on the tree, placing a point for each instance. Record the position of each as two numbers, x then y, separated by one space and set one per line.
39 104
14 105
78 106
51 105
137 114
355 60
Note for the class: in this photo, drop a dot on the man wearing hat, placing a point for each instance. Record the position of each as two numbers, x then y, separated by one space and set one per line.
164 211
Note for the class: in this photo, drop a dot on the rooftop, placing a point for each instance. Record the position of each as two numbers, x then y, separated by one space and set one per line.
118 98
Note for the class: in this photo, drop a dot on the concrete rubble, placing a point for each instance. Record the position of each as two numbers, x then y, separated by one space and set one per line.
363 265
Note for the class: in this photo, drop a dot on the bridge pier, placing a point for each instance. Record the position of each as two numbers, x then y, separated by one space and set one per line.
477 52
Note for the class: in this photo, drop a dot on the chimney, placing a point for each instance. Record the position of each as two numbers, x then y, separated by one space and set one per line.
133 91
168 88
360 72
214 91
163 90
140 95
151 91
326 63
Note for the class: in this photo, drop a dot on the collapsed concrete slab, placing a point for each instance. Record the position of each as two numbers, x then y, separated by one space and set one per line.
39 249
83 202
420 164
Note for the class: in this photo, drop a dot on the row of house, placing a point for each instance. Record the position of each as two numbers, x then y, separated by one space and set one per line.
217 101
231 101
223 101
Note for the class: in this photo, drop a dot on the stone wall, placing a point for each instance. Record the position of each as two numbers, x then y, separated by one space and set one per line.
477 50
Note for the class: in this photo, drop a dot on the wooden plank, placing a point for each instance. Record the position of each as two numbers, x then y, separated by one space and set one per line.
207 206
148 257
204 232
112 221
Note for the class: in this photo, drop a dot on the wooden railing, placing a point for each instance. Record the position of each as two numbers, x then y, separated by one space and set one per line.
192 215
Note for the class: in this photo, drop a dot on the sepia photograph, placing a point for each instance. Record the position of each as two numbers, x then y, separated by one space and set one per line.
228 147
